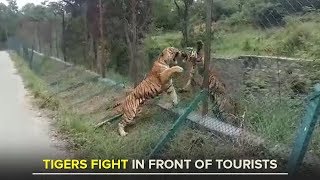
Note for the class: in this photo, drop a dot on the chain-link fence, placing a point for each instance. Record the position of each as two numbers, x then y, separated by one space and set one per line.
266 55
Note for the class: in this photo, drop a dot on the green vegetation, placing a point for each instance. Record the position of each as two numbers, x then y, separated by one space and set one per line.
154 44
299 38
77 111
296 39
276 120
70 30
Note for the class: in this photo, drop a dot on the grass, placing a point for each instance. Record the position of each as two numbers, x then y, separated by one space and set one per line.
32 82
299 38
265 115
155 43
275 120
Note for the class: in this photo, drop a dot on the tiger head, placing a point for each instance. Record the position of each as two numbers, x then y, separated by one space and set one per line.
196 57
171 56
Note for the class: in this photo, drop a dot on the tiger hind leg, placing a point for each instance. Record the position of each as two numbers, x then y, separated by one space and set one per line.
172 93
121 130
187 85
128 119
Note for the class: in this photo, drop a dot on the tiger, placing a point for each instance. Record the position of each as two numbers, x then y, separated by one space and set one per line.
157 81
225 105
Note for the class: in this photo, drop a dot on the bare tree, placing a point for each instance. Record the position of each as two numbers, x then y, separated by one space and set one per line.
132 42
63 40
58 9
27 33
93 33
184 14
136 21
102 43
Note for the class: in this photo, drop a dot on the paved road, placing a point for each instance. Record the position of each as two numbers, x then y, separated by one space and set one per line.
24 133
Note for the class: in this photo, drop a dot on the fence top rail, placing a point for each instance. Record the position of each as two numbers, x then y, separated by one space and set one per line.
281 58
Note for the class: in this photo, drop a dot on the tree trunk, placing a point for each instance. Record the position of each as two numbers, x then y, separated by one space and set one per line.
130 48
184 14
38 35
6 32
31 58
85 34
95 51
57 42
134 44
50 39
185 25
131 66
102 47
32 51
63 37
205 84
131 38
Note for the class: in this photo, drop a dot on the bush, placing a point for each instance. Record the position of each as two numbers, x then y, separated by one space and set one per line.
165 15
246 45
154 44
264 14
119 57
274 119
294 40
237 18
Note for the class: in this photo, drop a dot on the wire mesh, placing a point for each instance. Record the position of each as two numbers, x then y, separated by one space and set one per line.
266 61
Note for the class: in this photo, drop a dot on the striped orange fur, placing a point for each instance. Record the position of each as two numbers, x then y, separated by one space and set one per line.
157 81
226 107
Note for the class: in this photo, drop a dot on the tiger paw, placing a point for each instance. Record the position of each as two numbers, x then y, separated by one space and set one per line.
168 105
175 103
122 132
178 69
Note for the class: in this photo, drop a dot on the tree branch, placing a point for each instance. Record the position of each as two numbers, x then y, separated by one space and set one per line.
178 7
66 1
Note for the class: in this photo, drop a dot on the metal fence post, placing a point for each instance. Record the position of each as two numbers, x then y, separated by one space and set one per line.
205 84
178 123
305 132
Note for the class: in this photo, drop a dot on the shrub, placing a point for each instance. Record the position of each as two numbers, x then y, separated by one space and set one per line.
294 39
246 45
154 44
264 14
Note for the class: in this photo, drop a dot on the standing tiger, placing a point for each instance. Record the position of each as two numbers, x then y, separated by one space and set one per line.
157 81
225 106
